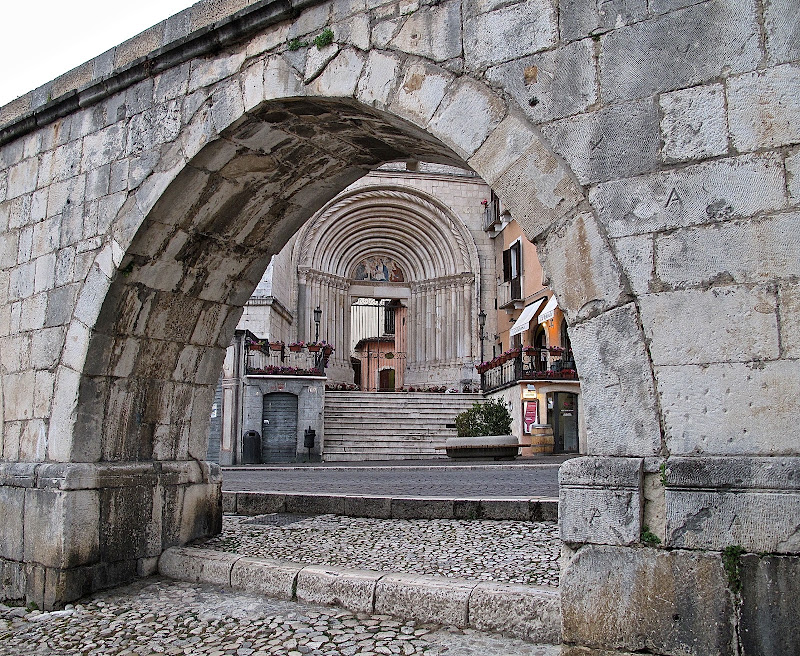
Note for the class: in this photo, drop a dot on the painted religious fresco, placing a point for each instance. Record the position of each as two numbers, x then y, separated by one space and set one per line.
379 269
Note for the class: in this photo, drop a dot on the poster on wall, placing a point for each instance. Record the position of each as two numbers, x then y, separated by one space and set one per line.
530 416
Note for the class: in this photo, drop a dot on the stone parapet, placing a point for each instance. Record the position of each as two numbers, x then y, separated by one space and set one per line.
380 507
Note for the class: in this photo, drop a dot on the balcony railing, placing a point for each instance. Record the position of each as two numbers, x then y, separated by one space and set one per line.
530 363
491 216
509 291
278 359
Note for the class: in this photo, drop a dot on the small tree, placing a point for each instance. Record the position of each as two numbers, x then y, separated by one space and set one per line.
489 418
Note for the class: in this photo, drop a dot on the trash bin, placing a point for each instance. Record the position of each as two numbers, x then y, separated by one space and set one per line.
251 448
309 437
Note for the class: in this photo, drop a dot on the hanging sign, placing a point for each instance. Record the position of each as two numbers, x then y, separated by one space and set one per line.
530 416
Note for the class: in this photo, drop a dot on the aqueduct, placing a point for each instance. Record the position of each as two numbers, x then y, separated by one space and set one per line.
142 193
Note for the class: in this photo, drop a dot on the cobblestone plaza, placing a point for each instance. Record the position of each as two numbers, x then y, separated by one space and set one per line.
157 616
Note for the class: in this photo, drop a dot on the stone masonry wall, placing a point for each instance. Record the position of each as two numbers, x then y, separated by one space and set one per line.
650 147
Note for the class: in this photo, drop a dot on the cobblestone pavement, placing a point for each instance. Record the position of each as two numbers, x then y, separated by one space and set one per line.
534 478
485 550
156 616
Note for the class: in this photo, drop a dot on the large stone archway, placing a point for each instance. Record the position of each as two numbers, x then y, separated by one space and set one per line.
650 153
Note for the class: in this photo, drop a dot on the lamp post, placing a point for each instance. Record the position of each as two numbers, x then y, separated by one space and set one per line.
481 326
317 319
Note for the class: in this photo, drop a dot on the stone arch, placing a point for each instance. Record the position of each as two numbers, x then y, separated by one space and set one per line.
240 172
428 222
685 152
214 188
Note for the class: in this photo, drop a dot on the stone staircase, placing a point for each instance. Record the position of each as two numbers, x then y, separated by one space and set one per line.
389 426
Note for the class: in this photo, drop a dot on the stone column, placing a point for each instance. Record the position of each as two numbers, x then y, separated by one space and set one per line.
302 303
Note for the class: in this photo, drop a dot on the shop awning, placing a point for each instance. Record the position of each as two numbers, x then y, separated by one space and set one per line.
549 310
523 323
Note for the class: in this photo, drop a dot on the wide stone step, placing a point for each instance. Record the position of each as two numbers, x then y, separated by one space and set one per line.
532 613
410 407
385 428
392 426
395 448
368 457
389 435
340 440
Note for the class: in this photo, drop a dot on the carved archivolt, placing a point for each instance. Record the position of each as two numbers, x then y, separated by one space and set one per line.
407 227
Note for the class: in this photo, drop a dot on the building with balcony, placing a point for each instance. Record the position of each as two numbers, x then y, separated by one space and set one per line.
392 274
529 363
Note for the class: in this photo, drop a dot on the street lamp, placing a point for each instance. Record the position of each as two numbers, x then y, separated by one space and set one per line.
317 319
481 326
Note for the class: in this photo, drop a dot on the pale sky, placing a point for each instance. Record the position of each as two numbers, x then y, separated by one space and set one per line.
41 39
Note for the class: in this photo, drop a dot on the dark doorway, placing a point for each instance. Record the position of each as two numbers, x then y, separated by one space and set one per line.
386 382
564 419
279 428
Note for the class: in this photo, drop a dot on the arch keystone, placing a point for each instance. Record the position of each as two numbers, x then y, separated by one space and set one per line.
281 80
420 92
339 77
378 79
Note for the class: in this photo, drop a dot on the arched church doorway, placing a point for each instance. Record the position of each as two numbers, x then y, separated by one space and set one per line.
397 276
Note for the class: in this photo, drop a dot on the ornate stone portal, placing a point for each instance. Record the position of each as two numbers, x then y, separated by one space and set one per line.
394 243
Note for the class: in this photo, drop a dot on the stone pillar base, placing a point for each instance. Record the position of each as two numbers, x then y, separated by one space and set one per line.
684 556
72 528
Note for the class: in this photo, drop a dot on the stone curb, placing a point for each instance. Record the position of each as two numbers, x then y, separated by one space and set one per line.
529 612
380 507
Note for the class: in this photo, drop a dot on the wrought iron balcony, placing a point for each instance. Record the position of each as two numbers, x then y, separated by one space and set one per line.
529 363
491 216
278 359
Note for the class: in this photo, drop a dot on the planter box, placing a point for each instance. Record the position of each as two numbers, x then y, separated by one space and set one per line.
497 447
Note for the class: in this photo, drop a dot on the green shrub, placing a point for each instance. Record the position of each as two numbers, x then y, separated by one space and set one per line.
649 538
489 418
732 562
